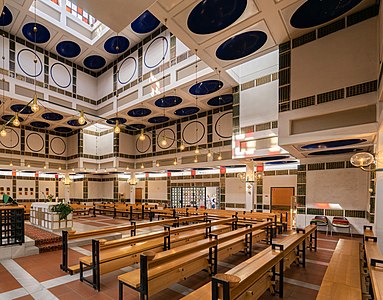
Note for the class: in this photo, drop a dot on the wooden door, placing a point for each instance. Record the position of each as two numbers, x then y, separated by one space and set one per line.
281 200
139 194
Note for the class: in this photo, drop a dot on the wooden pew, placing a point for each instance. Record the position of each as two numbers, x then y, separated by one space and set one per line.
148 280
342 278
80 209
160 271
250 279
374 263
133 227
108 256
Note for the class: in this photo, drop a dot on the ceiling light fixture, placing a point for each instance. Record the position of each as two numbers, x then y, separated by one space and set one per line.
16 121
196 159
117 128
219 157
3 132
142 136
175 162
196 151
163 141
35 106
364 161
142 166
11 164
81 120
157 164
182 147
209 154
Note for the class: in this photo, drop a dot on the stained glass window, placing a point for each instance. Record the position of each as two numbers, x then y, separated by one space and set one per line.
78 12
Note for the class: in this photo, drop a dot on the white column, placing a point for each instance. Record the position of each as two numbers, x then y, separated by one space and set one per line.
379 192
132 187
66 188
249 187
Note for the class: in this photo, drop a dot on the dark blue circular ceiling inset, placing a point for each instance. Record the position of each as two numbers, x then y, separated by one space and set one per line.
94 62
317 12
26 110
333 144
270 158
187 111
42 35
211 16
112 121
241 45
206 87
336 151
74 122
139 112
51 116
134 127
6 17
158 120
116 44
9 117
68 49
221 100
145 23
168 101
63 129
39 124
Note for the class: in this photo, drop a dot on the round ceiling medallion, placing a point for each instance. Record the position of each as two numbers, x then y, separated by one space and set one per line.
206 87
317 12
94 62
68 49
42 35
210 16
145 23
241 45
116 44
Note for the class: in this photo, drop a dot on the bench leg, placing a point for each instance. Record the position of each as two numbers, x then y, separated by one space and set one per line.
81 272
120 290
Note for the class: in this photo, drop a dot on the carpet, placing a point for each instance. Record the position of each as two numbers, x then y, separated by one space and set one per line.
44 240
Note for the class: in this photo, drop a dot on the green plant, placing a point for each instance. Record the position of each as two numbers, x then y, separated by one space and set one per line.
63 210
50 198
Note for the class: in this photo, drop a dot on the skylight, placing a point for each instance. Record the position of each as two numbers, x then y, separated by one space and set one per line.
78 12
69 16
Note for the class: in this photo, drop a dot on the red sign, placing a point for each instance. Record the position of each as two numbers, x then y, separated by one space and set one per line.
169 174
146 175
193 172
13 173
259 168
36 174
57 176
222 170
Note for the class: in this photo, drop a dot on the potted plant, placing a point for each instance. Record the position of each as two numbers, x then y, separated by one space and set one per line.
64 210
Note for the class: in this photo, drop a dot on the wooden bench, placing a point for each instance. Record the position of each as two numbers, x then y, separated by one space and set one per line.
160 271
80 209
27 210
133 227
374 263
108 256
342 278
147 280
250 279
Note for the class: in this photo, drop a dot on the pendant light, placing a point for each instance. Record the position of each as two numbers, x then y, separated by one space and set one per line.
209 154
35 106
163 141
16 121
3 132
81 119
142 136
182 147
117 128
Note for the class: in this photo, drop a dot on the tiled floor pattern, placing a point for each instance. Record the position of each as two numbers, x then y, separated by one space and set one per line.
39 276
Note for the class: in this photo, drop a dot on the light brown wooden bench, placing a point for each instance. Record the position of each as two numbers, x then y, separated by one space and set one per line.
80 209
108 256
147 281
133 227
250 279
342 278
374 263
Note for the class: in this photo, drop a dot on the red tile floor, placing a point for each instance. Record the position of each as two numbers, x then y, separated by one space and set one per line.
39 276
